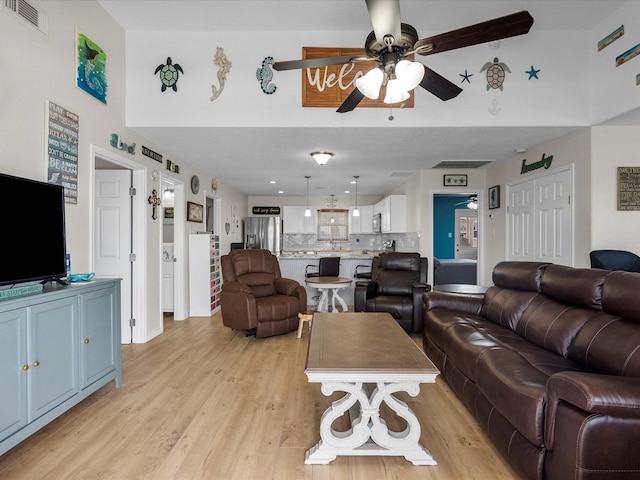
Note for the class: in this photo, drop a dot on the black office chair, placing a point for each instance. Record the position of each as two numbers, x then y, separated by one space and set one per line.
615 260
327 267
363 271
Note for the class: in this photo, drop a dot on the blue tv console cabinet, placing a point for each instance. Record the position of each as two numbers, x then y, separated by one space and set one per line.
56 348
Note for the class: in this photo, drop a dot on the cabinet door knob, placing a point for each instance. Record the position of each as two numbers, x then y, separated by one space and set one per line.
86 340
25 367
36 363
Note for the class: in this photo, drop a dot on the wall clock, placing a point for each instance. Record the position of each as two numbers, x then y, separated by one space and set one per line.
195 184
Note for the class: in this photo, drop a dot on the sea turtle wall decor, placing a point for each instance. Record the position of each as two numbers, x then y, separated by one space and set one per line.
265 75
496 73
169 74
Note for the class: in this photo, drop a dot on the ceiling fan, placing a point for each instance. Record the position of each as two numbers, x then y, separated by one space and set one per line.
471 202
391 42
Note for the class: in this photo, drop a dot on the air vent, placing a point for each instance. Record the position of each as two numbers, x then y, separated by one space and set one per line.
402 174
462 163
27 12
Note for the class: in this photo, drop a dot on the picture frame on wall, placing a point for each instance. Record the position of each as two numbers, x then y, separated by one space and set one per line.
494 197
195 212
91 66
459 180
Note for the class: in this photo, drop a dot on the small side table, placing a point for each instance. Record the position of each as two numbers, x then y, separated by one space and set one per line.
306 316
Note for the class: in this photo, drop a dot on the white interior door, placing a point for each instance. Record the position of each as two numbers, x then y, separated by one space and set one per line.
113 238
539 219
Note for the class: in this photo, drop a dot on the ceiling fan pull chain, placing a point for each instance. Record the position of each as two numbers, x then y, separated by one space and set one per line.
391 117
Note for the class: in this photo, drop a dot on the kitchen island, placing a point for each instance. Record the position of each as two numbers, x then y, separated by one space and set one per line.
294 264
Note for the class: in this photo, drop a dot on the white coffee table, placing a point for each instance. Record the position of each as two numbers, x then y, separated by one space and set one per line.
386 361
329 287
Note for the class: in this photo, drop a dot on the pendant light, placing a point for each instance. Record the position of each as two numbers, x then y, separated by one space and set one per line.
356 211
307 212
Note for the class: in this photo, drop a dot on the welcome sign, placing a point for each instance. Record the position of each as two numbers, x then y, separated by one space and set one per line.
330 86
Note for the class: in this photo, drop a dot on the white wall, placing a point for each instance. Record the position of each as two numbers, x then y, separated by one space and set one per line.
613 147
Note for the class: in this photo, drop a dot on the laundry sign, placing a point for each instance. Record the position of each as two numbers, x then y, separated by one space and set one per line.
330 86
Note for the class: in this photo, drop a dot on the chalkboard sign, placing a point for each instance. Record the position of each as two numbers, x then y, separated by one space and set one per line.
266 210
628 188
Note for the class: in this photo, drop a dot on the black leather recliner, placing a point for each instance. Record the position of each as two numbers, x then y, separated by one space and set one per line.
397 283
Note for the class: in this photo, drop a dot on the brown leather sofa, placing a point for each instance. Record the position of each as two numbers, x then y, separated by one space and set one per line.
397 283
549 363
254 295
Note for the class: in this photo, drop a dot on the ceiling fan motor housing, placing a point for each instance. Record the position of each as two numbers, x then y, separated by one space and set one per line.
408 38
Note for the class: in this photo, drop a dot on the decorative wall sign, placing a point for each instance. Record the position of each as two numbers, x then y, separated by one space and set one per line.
172 167
265 75
62 150
330 86
194 212
496 73
147 152
455 180
494 197
117 143
221 60
169 75
612 37
628 188
91 64
628 55
544 162
266 210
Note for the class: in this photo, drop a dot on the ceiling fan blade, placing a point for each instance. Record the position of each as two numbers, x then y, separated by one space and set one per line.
385 19
351 102
503 27
318 62
438 85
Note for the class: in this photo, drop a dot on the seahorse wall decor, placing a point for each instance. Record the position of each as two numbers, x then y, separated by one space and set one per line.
223 62
265 75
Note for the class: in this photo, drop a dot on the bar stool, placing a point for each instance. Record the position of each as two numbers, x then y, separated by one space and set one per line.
306 316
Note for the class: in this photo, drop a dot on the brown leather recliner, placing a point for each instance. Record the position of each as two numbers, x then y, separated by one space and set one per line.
397 283
255 296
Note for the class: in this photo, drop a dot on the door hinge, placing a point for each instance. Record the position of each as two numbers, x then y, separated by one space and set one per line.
569 199
132 257
132 191
132 322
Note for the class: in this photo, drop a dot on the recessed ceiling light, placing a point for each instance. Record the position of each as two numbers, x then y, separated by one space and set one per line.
280 191
521 150
272 181
347 191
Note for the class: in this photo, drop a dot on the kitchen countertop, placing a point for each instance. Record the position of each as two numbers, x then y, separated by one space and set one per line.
336 253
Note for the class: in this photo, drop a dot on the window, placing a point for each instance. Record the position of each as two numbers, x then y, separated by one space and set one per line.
333 224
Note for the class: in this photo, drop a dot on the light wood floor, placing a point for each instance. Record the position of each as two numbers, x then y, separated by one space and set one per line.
203 402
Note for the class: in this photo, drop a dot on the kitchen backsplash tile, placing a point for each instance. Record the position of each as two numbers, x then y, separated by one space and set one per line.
405 242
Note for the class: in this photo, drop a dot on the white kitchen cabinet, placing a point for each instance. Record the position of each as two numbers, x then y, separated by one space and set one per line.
205 278
56 349
393 210
294 221
363 223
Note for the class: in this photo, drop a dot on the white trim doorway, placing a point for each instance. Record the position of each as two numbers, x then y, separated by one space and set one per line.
138 293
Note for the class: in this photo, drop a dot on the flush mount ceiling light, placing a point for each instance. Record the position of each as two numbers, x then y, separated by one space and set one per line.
321 157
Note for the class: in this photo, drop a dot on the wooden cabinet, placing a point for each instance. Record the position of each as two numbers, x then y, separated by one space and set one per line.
56 348
205 278
393 210
294 221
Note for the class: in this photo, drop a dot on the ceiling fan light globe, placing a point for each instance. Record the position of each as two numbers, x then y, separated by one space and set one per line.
409 74
369 84
395 92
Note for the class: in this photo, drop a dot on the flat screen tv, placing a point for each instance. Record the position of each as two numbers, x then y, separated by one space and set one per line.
33 231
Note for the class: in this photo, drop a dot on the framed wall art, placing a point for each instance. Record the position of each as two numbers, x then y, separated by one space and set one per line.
455 180
195 212
494 197
91 65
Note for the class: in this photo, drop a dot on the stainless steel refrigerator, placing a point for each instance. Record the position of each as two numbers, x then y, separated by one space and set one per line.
263 232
